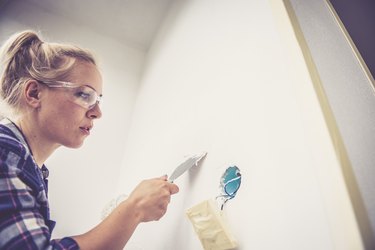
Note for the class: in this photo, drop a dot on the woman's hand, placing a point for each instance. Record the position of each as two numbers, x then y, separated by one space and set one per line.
148 202
151 198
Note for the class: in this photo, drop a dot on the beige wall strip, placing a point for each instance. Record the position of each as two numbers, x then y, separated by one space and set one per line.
339 188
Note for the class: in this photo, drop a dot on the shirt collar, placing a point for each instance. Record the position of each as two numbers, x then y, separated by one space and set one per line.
21 137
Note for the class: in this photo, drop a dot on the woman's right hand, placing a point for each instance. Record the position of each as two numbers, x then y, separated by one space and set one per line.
151 198
148 202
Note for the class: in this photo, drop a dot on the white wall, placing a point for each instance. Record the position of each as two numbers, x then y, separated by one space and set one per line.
82 181
221 79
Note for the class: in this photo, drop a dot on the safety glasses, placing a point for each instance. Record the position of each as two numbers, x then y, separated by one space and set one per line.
230 182
83 95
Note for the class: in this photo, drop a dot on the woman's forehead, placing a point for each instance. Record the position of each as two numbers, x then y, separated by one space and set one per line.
87 74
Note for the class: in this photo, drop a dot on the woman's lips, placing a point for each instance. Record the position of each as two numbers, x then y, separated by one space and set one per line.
85 130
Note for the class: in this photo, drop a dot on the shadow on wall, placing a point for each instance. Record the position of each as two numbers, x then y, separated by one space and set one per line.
361 30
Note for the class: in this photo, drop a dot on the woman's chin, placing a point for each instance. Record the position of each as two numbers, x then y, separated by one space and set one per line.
74 144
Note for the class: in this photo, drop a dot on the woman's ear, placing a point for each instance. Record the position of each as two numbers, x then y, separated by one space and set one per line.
32 93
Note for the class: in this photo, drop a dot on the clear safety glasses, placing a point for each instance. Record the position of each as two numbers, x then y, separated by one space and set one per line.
83 95
230 182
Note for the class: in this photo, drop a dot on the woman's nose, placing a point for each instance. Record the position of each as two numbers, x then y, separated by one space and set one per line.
95 112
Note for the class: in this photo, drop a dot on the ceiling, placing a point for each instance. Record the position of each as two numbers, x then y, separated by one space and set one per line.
133 21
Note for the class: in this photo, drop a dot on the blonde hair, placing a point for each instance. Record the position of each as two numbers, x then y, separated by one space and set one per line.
24 56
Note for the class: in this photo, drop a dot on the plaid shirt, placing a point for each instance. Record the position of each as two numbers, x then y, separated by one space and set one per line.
24 209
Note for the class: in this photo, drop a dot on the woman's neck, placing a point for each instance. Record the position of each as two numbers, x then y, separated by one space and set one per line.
40 148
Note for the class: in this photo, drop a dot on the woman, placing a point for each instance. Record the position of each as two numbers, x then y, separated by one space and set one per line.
52 94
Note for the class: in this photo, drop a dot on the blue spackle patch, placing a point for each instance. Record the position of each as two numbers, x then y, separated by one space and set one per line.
230 182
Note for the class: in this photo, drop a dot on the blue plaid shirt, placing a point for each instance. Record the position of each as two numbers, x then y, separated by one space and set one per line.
24 211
